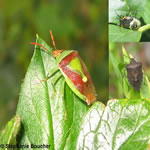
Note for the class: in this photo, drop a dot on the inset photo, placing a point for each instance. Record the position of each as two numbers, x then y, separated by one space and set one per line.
129 70
129 21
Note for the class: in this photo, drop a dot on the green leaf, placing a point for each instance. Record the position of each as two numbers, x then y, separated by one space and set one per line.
9 134
50 112
115 5
115 64
126 7
122 125
146 12
118 8
145 88
118 34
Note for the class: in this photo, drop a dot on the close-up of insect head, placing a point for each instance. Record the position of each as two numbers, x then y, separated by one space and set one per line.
129 21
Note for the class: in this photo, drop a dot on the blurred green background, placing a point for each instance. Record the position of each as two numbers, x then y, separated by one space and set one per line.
80 25
140 51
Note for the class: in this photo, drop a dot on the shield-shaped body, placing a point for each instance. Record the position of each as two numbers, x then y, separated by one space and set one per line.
76 75
135 74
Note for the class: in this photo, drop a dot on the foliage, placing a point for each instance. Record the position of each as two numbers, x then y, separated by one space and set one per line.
9 134
54 112
119 8
123 35
122 125
79 25
52 115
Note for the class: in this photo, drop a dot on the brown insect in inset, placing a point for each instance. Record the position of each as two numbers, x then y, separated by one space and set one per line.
135 74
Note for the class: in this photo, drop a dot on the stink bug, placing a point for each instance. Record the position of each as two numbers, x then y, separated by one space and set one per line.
134 74
129 22
74 71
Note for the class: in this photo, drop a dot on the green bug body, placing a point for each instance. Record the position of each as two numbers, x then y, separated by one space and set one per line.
76 75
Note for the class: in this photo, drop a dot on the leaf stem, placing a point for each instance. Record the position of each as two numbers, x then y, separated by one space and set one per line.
144 28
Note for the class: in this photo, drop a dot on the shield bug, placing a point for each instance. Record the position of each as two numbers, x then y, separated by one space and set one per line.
74 71
134 74
130 22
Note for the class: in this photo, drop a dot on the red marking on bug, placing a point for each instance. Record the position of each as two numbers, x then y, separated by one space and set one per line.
73 76
68 58
85 88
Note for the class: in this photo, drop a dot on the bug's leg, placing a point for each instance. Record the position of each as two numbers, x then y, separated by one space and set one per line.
50 76
119 16
44 80
57 79
54 84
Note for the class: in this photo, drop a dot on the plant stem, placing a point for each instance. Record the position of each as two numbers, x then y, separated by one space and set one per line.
144 28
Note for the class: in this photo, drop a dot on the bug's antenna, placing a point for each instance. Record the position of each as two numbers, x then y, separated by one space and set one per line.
33 43
119 16
52 37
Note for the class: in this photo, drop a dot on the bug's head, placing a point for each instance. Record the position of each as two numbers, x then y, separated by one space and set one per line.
56 53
